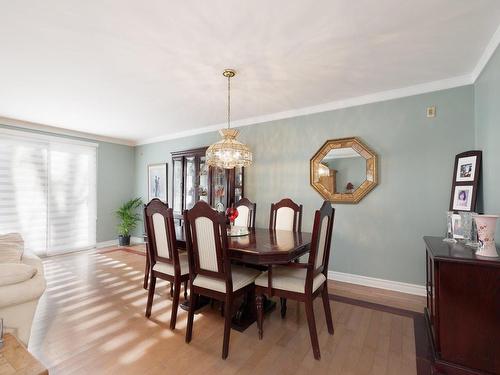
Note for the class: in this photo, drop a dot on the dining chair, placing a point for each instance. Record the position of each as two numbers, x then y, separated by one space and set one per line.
246 213
211 273
147 269
165 261
286 215
303 282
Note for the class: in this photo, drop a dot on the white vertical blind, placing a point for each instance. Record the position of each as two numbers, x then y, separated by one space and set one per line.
23 190
72 197
48 191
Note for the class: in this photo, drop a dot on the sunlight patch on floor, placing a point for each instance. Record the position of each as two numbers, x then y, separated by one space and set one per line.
119 341
100 319
137 351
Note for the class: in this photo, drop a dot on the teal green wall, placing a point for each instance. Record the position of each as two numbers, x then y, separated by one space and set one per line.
382 235
115 185
115 176
487 113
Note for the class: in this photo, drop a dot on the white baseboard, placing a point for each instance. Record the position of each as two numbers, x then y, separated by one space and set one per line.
133 241
373 282
109 243
136 240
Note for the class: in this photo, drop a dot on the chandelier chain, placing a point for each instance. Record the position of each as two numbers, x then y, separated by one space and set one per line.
228 101
228 152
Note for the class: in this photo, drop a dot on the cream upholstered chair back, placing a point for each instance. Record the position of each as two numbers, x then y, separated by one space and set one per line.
321 240
246 213
206 242
160 229
243 219
286 215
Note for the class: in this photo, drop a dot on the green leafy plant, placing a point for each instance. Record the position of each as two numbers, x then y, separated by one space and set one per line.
129 217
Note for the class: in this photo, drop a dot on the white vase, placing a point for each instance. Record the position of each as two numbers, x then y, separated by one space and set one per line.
486 226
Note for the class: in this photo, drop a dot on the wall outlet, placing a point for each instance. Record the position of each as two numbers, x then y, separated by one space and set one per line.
431 111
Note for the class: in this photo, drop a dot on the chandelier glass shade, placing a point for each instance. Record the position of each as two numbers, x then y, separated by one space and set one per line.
228 152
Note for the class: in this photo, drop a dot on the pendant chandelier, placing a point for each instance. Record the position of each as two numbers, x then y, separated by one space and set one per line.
229 152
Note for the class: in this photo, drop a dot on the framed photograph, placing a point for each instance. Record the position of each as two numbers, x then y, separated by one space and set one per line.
457 227
464 186
462 197
158 181
466 169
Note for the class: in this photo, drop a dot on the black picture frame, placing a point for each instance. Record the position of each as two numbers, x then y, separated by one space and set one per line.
465 182
160 170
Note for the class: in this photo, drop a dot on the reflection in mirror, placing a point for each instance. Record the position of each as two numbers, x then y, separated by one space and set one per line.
344 170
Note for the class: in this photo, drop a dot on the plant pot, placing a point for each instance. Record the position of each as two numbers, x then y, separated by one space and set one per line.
486 226
123 240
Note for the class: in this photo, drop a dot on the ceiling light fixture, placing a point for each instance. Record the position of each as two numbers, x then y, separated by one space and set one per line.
229 152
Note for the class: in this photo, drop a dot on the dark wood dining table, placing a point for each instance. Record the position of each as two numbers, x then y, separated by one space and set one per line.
261 247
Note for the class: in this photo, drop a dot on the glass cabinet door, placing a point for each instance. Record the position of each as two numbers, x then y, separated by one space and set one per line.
177 186
203 180
190 183
238 183
219 189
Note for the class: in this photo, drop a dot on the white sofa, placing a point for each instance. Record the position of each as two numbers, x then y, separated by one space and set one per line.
19 293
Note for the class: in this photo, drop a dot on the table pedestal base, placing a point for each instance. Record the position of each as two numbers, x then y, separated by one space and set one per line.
244 316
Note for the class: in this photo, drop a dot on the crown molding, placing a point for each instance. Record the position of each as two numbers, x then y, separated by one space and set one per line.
487 54
20 124
17 132
339 104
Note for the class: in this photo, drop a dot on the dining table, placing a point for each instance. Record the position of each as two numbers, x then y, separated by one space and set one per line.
260 248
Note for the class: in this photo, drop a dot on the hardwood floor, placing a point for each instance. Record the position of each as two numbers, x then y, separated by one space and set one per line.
91 321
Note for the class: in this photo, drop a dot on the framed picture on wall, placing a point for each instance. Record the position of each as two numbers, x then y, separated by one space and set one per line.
158 181
465 183
462 197
466 169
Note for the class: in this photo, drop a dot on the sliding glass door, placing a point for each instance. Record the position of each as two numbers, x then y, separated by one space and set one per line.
48 191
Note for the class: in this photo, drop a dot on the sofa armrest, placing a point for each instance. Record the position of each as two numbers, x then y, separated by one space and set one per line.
33 260
26 291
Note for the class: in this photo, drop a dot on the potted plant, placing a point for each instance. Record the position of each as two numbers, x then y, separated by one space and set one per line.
128 220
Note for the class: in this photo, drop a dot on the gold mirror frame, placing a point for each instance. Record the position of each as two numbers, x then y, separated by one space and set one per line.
371 170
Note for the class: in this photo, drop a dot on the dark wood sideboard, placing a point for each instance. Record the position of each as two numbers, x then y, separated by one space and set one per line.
463 309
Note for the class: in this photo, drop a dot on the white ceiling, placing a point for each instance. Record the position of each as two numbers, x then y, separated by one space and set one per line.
137 70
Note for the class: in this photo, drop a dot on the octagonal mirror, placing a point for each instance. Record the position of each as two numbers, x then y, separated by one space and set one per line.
344 170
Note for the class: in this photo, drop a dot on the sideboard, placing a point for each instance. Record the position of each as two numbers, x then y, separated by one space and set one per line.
463 309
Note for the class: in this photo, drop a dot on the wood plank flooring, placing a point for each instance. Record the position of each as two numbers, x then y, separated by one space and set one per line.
91 321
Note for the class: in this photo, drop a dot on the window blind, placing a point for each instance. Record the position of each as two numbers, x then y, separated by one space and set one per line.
48 191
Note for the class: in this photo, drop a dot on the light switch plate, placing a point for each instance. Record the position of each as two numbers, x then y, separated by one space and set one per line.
431 111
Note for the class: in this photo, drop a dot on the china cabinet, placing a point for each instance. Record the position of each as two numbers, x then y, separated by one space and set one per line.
194 180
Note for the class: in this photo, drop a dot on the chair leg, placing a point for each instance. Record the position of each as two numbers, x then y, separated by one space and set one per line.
193 300
222 309
146 271
312 328
151 294
171 290
283 307
175 304
328 311
185 290
227 325
260 313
